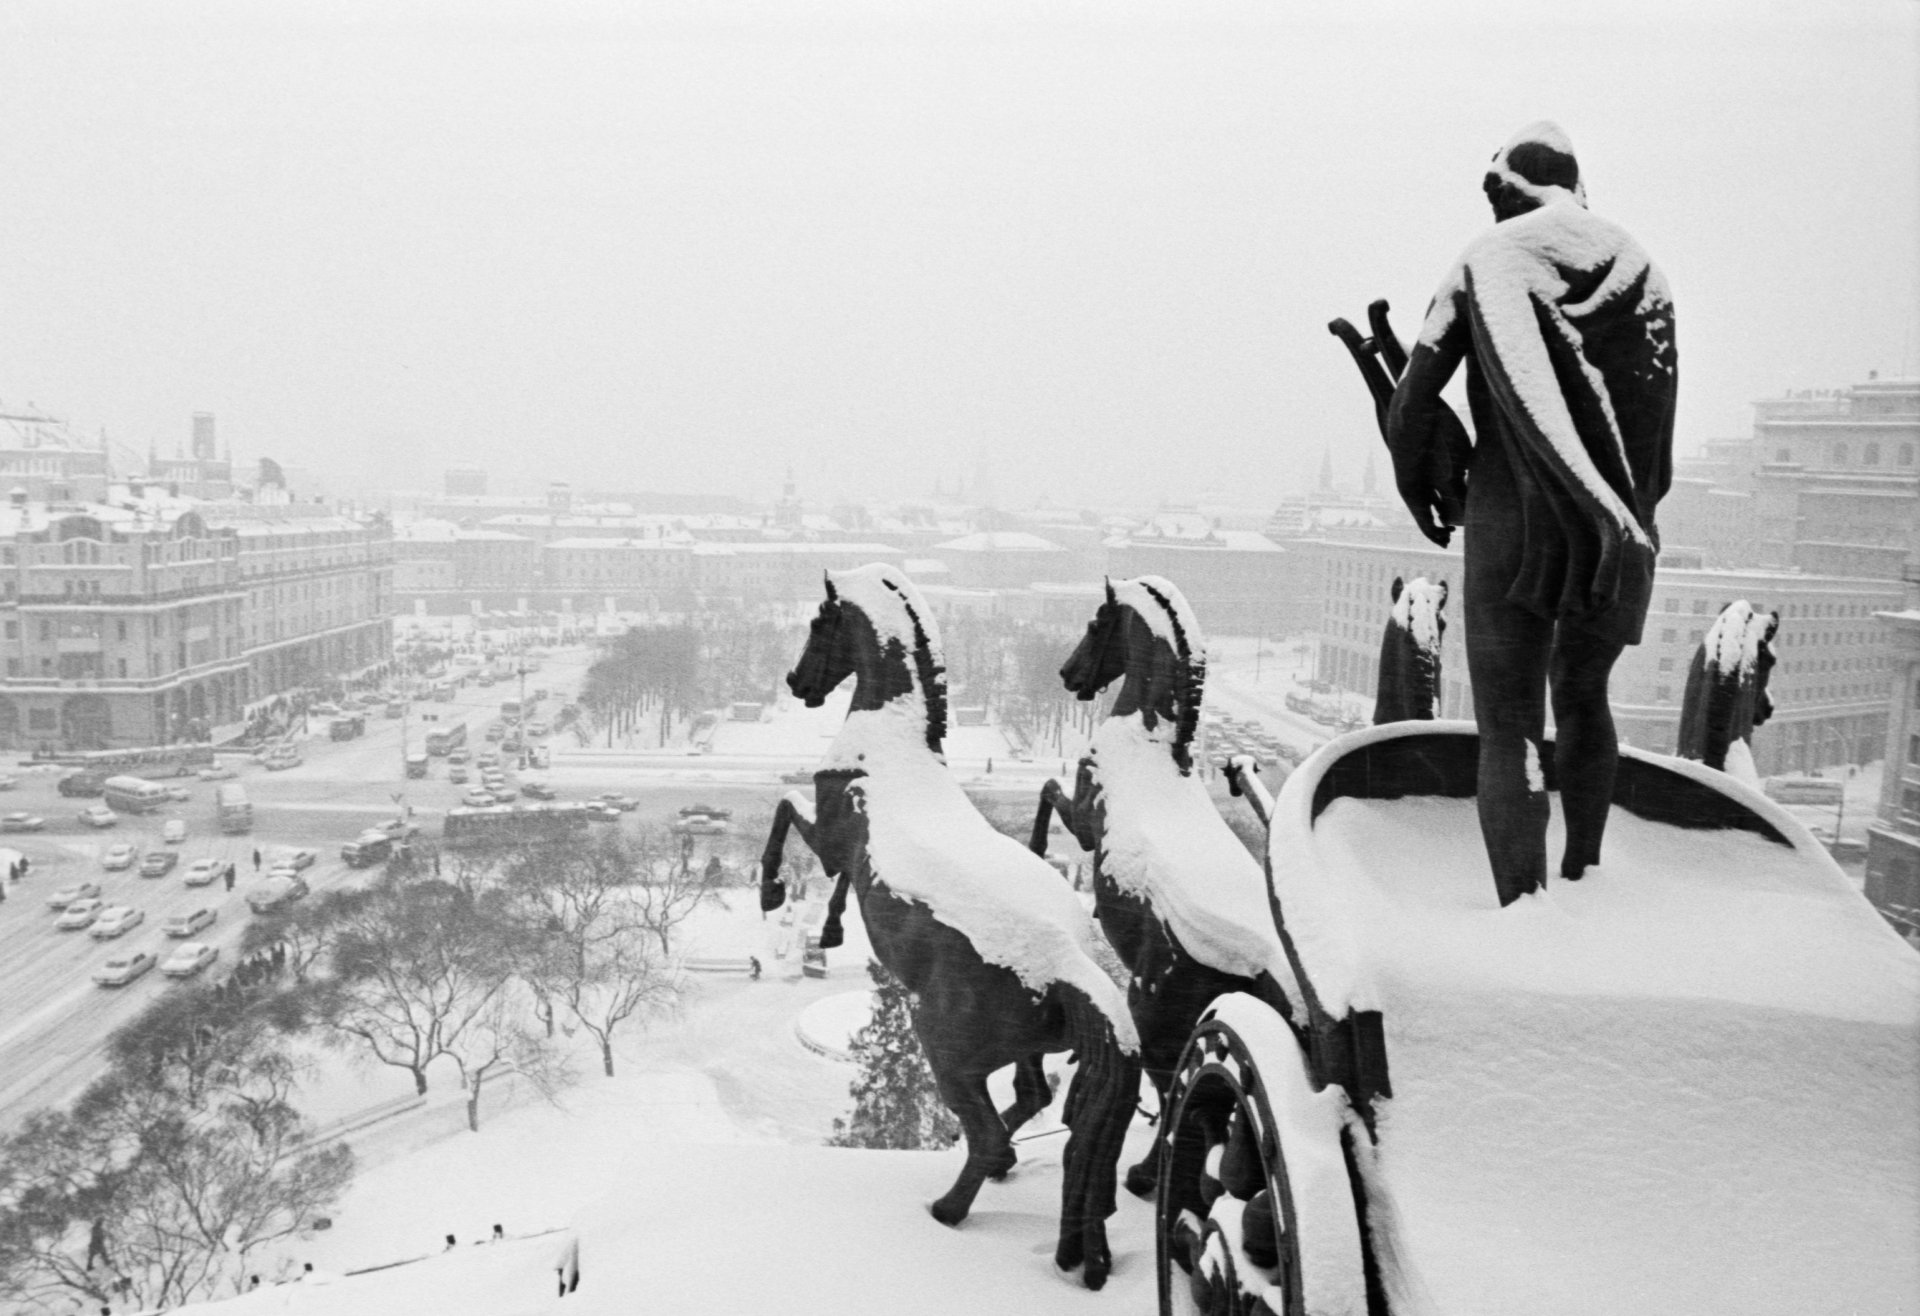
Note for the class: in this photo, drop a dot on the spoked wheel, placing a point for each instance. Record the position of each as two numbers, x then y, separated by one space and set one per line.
1251 1158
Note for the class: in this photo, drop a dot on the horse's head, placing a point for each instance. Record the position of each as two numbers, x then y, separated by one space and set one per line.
1762 627
1409 686
1146 632
1100 659
828 658
876 627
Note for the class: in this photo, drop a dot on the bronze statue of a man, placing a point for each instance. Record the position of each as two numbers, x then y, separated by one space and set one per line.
1567 331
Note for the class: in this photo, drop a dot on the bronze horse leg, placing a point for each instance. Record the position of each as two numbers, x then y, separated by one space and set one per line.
989 1150
793 812
1031 1093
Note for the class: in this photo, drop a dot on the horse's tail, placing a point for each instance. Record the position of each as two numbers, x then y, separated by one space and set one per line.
1099 1106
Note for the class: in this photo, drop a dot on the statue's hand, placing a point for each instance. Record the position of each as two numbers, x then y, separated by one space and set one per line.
1422 502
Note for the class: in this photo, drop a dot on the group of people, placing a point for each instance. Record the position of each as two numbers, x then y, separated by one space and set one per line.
16 870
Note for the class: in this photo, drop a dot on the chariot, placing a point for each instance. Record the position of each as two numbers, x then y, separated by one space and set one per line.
1684 1083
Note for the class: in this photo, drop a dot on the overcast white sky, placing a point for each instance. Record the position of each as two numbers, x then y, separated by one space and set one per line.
679 246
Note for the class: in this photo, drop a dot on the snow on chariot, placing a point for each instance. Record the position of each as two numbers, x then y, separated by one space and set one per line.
1684 1083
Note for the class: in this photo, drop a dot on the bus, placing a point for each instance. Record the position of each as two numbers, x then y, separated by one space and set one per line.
442 741
133 794
234 809
514 824
416 765
510 710
156 761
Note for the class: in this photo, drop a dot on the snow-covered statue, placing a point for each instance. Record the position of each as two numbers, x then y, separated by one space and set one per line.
1726 696
1408 688
1175 891
1567 331
996 949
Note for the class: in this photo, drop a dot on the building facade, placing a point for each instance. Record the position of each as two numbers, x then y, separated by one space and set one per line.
1893 839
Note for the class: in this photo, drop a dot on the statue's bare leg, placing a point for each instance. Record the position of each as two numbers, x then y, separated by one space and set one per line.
1507 653
1586 749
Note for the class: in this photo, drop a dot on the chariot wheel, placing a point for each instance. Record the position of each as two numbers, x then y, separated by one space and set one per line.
1255 1211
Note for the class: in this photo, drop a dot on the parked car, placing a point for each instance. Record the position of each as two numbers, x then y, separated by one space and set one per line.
459 776
477 799
537 728
218 772
189 959
80 914
203 872
178 794
624 803
123 969
22 822
115 920
325 710
276 893
503 792
71 892
398 829
98 815
174 831
118 857
158 863
297 859
487 759
185 925
281 757
460 756
702 820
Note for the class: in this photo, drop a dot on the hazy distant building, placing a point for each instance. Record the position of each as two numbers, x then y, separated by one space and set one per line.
1893 839
466 482
201 473
1236 580
1003 559
42 458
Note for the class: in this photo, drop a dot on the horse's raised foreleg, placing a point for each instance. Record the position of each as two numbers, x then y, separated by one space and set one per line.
1031 1092
1243 778
989 1150
1053 799
794 811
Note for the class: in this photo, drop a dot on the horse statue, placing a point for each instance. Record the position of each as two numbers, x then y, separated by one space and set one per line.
1726 695
994 947
1175 891
1408 685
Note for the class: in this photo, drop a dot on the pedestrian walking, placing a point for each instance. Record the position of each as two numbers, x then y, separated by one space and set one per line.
256 859
229 876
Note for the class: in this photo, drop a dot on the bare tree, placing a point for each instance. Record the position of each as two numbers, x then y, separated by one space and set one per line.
414 966
599 925
497 1041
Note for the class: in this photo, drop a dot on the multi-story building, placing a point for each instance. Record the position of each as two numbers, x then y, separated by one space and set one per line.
122 625
318 593
204 474
1236 580
42 458
1830 686
1893 839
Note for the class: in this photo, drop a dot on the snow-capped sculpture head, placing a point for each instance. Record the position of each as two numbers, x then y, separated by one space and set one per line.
1537 166
1739 637
875 626
1409 684
1726 693
1146 633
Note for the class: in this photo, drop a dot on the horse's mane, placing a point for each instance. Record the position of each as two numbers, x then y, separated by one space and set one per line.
1188 693
933 676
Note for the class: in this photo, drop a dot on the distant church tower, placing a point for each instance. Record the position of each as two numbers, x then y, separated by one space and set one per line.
786 512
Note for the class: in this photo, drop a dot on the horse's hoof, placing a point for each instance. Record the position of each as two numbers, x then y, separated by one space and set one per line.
1002 1168
947 1213
830 937
1143 1180
1071 1252
1099 1265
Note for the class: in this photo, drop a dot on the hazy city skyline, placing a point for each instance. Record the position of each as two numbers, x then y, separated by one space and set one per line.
685 248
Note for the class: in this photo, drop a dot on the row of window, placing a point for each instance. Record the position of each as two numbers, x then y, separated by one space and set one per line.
1841 454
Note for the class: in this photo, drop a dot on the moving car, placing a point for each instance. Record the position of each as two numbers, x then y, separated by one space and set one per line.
174 831
99 815
601 811
158 863
296 859
477 799
22 822
115 920
367 849
73 891
118 857
502 791
8 781
185 925
189 959
80 914
123 969
625 803
538 790
178 794
281 757
203 872
276 893
218 772
703 820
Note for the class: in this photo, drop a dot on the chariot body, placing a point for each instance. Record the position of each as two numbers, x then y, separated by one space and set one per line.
1685 1083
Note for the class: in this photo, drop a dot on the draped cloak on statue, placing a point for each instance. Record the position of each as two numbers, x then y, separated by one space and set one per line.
1567 329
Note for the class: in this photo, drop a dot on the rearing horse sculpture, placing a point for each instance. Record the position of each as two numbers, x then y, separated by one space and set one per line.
1726 695
1177 894
995 948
